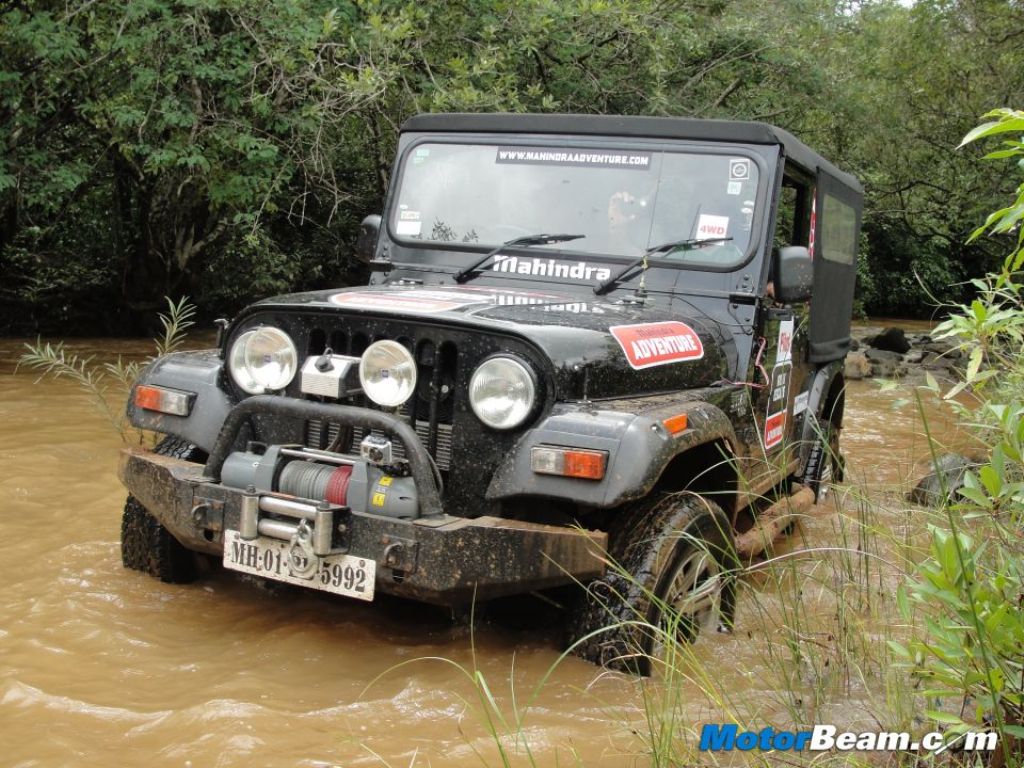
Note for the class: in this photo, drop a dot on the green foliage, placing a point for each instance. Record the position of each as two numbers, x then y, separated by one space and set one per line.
144 146
909 82
972 583
974 640
1005 220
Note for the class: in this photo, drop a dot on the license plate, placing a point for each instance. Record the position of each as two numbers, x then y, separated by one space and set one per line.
340 574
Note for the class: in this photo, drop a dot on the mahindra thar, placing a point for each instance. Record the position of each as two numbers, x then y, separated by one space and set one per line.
600 353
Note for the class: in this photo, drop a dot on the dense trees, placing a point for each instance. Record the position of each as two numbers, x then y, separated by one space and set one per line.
228 148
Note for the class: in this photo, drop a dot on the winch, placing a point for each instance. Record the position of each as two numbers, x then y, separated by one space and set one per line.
372 484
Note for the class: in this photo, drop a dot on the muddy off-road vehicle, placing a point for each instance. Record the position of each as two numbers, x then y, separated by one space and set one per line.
581 334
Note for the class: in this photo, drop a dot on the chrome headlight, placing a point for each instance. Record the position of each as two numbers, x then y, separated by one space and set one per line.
263 360
502 392
387 372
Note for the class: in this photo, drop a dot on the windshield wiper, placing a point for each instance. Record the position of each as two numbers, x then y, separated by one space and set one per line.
463 274
677 245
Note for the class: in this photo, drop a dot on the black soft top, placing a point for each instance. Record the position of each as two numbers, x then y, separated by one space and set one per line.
640 127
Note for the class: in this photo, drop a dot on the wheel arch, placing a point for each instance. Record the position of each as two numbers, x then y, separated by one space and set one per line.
707 469
826 403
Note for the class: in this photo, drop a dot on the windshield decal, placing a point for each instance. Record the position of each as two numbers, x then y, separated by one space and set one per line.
408 223
583 158
712 226
739 169
649 344
540 267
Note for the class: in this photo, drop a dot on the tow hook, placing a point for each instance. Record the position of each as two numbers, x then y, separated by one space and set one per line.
301 559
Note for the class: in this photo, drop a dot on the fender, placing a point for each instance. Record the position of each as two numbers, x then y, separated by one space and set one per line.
822 383
197 372
628 438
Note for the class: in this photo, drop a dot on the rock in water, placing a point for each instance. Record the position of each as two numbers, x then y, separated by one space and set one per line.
891 340
857 366
947 473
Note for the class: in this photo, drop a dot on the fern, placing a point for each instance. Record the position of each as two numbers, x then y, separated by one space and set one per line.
95 379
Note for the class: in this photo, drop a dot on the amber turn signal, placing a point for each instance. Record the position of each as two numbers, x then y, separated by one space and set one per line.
569 462
172 401
675 424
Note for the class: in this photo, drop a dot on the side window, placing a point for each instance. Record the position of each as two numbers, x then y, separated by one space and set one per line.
785 217
838 231
793 218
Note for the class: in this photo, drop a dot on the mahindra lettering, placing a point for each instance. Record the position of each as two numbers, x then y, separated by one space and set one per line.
582 337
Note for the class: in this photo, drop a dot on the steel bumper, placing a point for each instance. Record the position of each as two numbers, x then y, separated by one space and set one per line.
437 559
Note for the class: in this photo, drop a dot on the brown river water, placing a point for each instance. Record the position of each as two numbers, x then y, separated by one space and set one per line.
105 666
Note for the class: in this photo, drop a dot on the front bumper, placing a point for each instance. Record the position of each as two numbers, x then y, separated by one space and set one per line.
437 559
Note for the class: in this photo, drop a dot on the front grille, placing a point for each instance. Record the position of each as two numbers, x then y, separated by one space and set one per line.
430 410
347 443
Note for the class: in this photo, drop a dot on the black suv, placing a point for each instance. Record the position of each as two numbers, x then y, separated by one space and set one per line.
582 335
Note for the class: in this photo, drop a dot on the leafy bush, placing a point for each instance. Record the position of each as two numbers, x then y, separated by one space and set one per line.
972 582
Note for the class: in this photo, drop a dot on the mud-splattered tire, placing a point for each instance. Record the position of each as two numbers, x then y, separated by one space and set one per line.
676 558
145 544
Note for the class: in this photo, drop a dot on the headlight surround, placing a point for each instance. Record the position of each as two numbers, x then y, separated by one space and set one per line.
263 360
502 392
387 372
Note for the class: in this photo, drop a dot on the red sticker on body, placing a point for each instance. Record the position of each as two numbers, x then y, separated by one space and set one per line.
774 429
650 344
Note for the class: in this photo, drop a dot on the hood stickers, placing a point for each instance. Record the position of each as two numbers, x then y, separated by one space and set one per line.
405 301
650 344
440 300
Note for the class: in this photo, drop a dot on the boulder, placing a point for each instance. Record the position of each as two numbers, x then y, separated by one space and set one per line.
857 366
947 473
943 348
883 356
943 363
888 369
891 340
914 356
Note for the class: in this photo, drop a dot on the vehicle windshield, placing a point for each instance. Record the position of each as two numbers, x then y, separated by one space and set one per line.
622 201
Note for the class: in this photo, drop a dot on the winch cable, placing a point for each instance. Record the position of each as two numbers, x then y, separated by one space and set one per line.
316 481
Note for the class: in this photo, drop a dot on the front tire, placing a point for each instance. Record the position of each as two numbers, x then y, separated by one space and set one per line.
148 546
673 575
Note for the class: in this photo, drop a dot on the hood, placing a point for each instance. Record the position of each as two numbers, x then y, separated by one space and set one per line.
598 348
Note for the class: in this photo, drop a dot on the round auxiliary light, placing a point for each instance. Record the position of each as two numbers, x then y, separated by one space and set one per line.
387 372
502 392
263 360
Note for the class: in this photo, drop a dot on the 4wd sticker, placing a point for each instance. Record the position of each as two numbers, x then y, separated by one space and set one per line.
649 344
712 226
778 400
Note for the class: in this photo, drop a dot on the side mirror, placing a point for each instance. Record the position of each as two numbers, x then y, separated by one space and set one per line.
366 243
794 274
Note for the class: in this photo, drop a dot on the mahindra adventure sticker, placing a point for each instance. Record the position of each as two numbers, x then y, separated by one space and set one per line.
649 344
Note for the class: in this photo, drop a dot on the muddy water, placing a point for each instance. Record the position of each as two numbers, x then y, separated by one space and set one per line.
103 666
